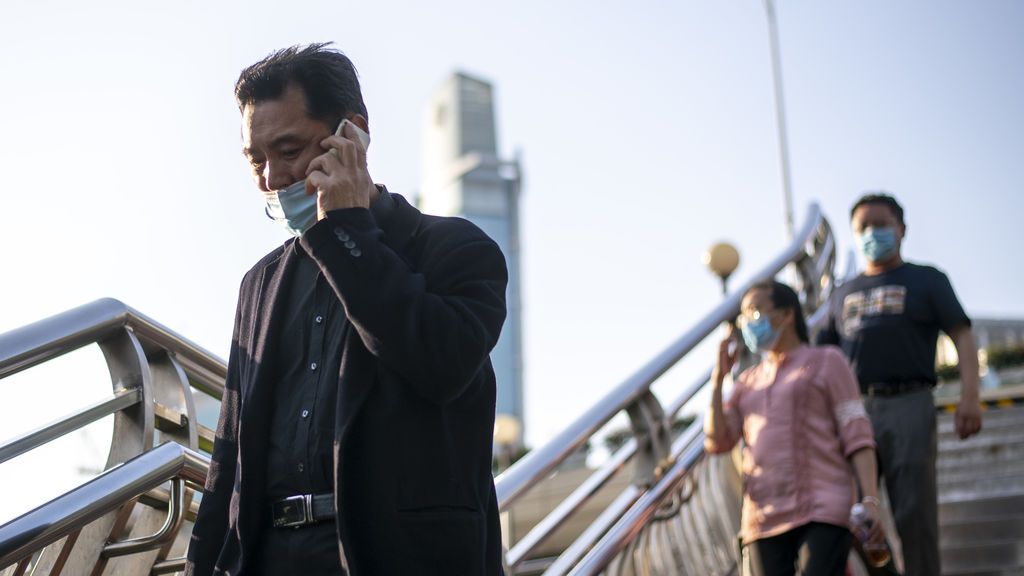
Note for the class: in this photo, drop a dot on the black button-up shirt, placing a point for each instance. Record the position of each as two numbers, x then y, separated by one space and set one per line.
306 377
306 360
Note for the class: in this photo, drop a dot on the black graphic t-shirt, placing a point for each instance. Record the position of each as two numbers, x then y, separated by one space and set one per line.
888 324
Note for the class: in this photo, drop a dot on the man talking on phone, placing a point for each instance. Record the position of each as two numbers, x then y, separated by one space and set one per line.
358 411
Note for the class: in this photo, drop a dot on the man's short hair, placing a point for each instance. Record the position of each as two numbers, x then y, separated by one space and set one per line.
882 198
327 78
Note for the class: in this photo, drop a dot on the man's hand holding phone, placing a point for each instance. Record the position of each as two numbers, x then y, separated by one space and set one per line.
339 176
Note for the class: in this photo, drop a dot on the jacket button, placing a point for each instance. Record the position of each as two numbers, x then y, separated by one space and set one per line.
356 252
340 234
312 366
350 244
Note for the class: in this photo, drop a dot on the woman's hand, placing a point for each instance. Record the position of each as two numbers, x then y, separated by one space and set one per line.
876 535
727 354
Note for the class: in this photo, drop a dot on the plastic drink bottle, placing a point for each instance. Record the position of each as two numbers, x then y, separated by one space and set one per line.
878 555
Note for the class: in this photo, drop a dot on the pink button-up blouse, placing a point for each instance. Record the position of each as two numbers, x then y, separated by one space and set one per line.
800 421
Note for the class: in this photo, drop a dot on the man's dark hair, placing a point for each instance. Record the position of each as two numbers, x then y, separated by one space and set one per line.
785 298
879 198
327 77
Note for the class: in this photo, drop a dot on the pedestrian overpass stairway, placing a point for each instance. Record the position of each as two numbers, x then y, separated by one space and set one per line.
981 492
656 505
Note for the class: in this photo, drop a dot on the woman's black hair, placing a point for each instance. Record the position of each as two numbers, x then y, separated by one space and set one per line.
783 297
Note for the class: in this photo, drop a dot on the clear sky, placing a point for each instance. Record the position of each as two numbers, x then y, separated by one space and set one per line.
647 132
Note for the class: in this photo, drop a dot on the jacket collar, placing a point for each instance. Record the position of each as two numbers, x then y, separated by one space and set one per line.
398 219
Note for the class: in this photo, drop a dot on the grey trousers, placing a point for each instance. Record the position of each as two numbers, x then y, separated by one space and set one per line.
907 444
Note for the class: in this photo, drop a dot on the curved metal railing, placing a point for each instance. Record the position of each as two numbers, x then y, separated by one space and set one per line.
638 543
154 373
107 493
659 463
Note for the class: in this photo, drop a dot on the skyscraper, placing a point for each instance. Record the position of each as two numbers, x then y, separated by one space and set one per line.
464 176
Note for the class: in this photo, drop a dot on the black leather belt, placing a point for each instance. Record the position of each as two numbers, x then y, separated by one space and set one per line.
302 510
896 388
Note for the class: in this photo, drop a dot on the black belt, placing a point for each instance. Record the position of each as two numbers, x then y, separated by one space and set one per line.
896 388
302 510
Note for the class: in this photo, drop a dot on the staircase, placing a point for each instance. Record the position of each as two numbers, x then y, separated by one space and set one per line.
981 496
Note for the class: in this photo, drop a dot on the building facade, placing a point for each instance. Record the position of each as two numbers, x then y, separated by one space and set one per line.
463 175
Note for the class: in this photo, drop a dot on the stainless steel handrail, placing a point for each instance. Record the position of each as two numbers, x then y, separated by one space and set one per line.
154 373
166 533
165 352
541 462
683 461
65 514
69 423
583 493
813 255
51 337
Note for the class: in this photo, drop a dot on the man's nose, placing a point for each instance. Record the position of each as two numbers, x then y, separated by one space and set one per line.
278 177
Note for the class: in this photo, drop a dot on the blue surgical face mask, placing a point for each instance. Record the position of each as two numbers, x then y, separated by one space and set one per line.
293 208
877 244
759 334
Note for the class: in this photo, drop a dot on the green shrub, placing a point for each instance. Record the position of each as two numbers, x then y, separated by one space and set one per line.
948 372
1005 356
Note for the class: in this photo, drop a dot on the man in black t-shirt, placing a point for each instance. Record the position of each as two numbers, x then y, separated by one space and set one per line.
887 321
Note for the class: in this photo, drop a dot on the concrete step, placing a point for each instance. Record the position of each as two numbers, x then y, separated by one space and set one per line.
1014 435
988 557
1012 571
1002 429
981 530
955 510
990 418
981 489
980 458
1002 426
985 440
1008 469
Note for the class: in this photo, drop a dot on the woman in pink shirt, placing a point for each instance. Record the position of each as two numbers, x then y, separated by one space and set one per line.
800 415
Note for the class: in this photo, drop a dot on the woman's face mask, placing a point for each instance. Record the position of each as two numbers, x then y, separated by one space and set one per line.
758 333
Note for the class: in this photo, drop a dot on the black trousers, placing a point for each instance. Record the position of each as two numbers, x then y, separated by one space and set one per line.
814 549
307 551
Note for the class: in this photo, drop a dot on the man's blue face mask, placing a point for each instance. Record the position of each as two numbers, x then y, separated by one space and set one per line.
877 244
759 334
292 207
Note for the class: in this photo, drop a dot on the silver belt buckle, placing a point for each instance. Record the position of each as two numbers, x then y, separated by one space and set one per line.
295 511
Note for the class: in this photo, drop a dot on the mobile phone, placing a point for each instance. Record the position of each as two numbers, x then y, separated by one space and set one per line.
364 138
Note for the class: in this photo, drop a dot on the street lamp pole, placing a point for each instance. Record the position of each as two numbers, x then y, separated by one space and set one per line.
780 116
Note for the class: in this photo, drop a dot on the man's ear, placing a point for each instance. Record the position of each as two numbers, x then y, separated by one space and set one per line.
360 120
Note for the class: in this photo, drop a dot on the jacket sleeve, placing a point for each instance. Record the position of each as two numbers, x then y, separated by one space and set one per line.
211 522
434 325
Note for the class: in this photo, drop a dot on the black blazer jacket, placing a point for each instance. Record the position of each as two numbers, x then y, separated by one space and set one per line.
425 299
